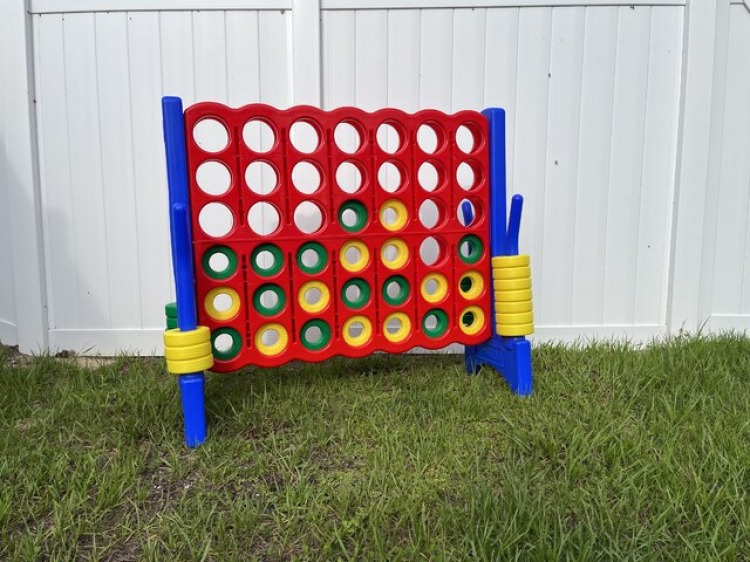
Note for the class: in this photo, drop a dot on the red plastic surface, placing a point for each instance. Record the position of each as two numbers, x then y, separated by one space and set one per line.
329 197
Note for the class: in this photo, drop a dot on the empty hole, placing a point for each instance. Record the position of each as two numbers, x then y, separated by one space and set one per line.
218 262
304 136
216 220
213 177
263 218
428 176
313 296
310 258
465 139
467 319
356 329
466 249
313 334
223 343
430 322
352 255
429 213
270 337
222 302
308 217
211 135
465 176
431 287
265 260
389 177
461 213
393 325
269 299
353 293
306 177
347 137
348 177
427 138
261 177
393 290
429 251
258 135
388 138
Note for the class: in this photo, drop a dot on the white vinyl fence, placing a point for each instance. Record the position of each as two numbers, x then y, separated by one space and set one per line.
628 135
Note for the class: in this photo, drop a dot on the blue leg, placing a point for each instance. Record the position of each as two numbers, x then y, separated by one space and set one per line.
510 356
193 408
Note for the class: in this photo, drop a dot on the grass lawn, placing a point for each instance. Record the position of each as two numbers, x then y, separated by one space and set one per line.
619 454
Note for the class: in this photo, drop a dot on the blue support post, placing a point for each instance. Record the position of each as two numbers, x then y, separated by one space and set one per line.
191 385
511 356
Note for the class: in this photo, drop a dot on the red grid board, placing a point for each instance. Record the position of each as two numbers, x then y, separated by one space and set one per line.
327 156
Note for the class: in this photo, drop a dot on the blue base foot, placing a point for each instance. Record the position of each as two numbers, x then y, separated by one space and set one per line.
193 408
510 356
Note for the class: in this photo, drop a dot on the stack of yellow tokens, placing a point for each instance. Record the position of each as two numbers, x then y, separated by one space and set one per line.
511 282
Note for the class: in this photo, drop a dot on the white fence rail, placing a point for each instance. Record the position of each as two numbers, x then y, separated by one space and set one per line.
629 126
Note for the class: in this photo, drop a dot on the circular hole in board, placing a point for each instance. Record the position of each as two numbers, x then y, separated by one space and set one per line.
467 213
427 138
466 138
389 177
211 135
347 137
261 177
213 178
306 177
263 218
258 136
388 138
349 177
216 220
430 213
304 136
466 176
308 217
428 176
430 251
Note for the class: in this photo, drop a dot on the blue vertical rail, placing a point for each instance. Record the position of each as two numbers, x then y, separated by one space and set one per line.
191 385
511 356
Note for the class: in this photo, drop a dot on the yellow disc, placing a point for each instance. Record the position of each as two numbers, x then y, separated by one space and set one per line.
404 330
364 256
402 215
188 351
516 329
187 366
511 261
511 272
511 284
477 321
513 296
274 348
402 253
473 282
222 315
361 339
513 307
176 338
313 308
440 291
518 318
